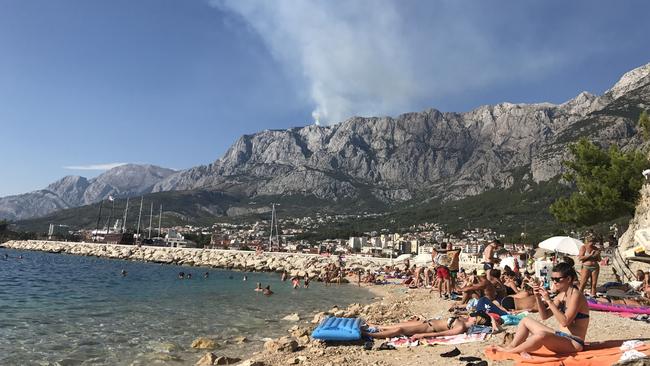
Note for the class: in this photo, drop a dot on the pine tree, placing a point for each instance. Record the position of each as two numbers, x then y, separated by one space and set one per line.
607 182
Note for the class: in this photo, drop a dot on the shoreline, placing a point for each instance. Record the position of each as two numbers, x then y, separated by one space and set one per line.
296 264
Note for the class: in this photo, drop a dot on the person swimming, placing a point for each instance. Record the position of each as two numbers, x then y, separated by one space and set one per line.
181 275
123 273
267 290
245 278
258 287
206 275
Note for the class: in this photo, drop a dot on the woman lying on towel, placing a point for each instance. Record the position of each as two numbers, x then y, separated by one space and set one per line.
569 308
418 329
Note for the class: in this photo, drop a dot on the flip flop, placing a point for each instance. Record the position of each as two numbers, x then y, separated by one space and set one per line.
386 346
453 353
470 358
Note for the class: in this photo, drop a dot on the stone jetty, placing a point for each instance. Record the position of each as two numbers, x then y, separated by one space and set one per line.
296 264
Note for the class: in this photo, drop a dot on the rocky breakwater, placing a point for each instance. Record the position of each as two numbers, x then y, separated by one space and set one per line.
296 264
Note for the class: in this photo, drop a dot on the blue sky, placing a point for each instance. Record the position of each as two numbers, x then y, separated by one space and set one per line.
88 83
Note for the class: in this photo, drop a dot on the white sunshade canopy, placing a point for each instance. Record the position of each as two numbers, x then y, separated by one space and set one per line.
562 244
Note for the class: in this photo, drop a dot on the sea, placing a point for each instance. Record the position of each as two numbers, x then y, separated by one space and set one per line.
59 309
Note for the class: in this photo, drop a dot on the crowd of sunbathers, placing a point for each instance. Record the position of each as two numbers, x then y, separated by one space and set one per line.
485 297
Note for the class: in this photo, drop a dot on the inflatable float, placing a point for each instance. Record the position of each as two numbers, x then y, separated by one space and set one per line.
618 308
338 329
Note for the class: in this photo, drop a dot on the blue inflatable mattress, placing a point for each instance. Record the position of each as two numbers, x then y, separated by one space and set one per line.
338 329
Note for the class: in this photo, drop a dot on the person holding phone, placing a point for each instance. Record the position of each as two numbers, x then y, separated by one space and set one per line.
569 308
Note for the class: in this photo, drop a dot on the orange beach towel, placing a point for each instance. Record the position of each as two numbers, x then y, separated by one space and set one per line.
595 354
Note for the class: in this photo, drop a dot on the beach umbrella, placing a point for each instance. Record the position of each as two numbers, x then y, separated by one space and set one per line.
422 259
562 244
508 261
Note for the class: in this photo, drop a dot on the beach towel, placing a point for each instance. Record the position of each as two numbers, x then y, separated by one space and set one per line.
595 354
455 339
399 342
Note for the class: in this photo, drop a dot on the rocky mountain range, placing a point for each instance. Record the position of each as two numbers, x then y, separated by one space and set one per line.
430 153
414 157
73 191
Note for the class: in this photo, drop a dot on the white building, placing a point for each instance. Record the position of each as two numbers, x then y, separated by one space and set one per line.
176 240
355 243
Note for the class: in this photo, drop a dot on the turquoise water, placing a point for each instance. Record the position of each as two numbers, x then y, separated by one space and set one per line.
59 309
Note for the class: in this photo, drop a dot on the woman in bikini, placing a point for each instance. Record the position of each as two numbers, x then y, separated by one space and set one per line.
569 308
589 256
417 328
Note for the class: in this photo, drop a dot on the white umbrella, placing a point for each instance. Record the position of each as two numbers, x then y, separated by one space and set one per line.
562 244
508 261
422 259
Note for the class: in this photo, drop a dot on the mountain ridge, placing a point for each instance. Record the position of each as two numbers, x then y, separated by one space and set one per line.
73 191
427 155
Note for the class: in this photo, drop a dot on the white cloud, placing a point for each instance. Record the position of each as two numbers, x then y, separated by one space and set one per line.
384 57
106 166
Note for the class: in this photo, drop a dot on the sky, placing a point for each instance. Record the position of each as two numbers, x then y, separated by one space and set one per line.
86 85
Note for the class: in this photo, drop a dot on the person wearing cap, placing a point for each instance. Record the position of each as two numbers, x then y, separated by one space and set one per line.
489 254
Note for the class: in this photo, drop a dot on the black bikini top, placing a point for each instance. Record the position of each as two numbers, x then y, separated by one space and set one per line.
579 315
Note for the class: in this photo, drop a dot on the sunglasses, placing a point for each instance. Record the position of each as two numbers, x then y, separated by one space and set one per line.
557 279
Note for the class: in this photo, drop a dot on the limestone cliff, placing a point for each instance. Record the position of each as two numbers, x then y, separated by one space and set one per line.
449 155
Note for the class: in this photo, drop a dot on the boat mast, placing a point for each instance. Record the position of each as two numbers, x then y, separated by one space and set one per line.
139 216
150 219
126 211
271 234
110 215
160 222
277 232
99 216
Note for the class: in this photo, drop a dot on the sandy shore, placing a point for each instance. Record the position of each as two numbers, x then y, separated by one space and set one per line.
396 302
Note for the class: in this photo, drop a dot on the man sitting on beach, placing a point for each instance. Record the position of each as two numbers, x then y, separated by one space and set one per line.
418 329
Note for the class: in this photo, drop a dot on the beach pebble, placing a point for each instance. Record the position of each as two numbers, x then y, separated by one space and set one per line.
298 332
207 360
292 317
204 343
293 361
252 363
319 317
283 344
223 360
240 340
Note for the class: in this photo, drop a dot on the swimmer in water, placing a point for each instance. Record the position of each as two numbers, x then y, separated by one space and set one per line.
189 276
123 273
245 278
259 287
181 275
206 275
267 290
